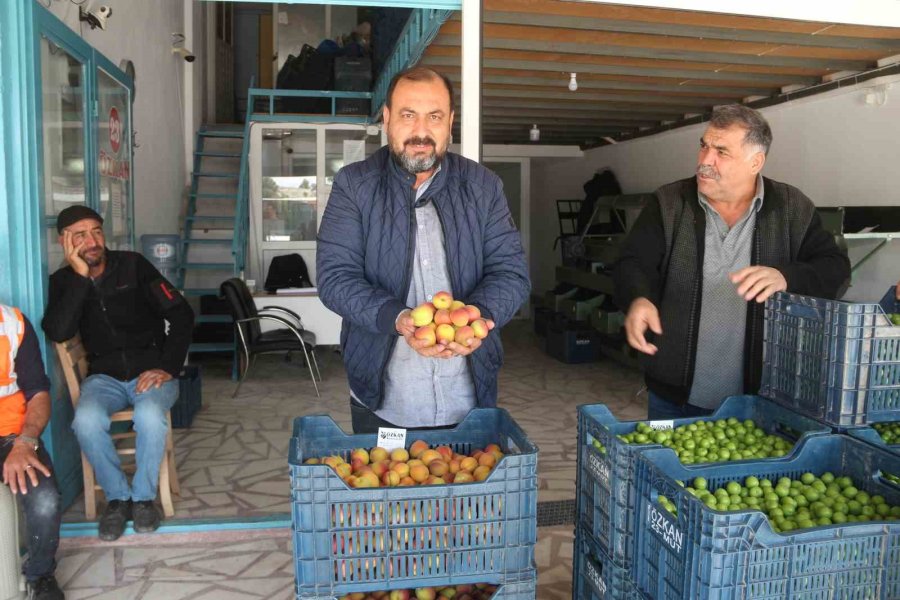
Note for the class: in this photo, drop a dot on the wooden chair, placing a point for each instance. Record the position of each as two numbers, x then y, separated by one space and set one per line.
73 357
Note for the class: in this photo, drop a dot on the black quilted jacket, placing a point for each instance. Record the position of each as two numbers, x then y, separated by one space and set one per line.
365 254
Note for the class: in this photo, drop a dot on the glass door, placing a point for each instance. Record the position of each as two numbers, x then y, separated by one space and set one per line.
113 127
292 170
63 104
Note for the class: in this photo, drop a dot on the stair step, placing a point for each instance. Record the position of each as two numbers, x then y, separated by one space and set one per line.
219 154
208 266
212 347
219 219
200 292
223 134
216 174
213 319
212 196
207 241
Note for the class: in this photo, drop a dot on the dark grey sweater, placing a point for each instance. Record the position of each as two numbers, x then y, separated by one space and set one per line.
662 260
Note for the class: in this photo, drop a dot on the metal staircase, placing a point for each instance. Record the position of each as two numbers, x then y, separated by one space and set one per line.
207 256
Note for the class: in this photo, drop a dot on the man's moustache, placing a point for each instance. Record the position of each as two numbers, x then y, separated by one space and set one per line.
707 172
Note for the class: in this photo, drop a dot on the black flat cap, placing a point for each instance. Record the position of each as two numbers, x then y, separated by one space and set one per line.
73 214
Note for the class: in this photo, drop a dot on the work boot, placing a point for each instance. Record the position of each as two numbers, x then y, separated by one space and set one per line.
44 588
146 516
113 520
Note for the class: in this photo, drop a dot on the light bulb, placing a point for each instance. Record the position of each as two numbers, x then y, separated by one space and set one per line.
573 84
535 134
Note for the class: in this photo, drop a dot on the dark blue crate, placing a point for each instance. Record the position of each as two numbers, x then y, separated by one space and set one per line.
705 553
889 303
190 393
838 362
348 540
605 482
869 435
595 576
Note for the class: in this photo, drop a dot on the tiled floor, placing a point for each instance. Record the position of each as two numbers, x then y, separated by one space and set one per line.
232 463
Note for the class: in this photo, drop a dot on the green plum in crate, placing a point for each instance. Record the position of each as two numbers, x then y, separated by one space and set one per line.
838 362
822 524
742 428
352 540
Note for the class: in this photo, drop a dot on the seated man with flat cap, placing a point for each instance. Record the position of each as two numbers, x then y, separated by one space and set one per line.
119 303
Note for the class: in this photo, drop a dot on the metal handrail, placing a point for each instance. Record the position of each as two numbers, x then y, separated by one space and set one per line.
421 28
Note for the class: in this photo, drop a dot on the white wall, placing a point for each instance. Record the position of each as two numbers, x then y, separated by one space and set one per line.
306 25
835 148
141 31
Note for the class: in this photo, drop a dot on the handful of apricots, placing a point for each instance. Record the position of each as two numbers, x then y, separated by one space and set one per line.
445 320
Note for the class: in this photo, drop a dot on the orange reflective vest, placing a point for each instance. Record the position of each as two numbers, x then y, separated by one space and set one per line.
12 400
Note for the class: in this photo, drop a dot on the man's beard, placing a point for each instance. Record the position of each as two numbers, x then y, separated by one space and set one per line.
93 261
420 163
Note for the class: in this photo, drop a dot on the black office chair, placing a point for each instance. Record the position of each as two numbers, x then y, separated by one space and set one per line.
288 339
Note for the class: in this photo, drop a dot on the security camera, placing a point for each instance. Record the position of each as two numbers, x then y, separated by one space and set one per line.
95 17
184 53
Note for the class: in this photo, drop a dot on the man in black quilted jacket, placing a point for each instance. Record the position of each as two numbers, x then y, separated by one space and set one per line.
410 221
704 255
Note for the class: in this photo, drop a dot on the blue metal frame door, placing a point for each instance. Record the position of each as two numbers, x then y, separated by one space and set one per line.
29 200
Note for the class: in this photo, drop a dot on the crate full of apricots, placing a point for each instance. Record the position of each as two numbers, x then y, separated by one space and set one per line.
454 506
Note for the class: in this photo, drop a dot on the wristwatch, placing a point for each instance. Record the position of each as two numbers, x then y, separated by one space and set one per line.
34 443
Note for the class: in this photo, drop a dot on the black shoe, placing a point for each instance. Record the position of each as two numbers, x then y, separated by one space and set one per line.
112 522
44 588
146 517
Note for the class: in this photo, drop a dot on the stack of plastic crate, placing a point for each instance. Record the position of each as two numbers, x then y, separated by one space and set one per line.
349 540
606 512
700 552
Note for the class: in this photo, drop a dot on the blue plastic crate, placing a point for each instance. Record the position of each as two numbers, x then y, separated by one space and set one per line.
869 435
705 553
837 362
524 588
348 540
605 486
595 576
889 302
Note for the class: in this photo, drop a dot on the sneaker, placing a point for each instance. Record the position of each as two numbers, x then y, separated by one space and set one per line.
112 522
146 516
44 588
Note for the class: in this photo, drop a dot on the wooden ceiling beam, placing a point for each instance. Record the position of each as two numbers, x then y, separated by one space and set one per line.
694 31
776 81
597 43
674 68
688 18
546 82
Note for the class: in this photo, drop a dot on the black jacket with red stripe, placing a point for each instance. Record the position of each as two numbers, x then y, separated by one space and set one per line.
121 317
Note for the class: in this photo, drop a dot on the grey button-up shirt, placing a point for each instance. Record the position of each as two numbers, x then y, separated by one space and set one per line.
719 368
419 391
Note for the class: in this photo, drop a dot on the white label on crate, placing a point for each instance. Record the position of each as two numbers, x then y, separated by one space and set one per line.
665 529
390 438
662 424
599 468
595 578
582 342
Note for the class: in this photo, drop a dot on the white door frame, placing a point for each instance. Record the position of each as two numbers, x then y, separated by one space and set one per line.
524 212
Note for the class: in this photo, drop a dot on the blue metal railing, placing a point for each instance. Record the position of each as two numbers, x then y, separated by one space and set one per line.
420 30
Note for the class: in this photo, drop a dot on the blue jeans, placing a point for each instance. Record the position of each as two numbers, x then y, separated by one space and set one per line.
660 408
43 512
101 396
